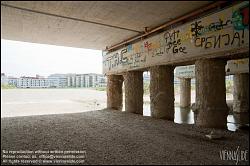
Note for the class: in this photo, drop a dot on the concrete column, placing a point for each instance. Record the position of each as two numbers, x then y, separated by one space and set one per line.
133 81
241 93
185 92
211 93
162 92
114 92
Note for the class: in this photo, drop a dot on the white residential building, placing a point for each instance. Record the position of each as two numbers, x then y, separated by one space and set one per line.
58 80
32 82
86 80
4 79
13 81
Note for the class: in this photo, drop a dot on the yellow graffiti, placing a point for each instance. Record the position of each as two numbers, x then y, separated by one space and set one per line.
241 61
137 48
155 45
186 36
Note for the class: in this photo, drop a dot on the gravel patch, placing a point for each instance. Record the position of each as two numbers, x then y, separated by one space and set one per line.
113 137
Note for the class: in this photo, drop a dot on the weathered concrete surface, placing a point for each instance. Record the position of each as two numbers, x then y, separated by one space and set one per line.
211 93
133 82
185 92
114 137
162 92
114 92
233 67
135 15
161 48
241 93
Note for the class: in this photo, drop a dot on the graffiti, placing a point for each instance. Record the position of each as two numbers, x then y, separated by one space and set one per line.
245 15
240 18
135 60
148 45
216 41
199 30
170 37
223 31
196 28
157 52
124 58
173 42
129 48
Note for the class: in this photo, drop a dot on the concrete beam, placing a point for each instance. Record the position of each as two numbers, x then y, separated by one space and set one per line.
233 67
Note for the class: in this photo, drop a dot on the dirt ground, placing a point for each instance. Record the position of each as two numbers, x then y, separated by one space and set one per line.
112 137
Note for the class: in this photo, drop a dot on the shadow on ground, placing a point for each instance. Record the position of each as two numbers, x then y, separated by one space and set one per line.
112 137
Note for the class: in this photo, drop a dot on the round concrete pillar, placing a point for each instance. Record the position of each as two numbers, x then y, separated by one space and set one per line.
114 92
185 92
162 92
133 82
241 93
211 93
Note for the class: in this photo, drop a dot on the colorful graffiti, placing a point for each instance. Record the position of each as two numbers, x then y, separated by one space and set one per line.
240 18
222 31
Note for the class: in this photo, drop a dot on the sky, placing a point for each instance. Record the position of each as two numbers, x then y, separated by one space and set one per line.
28 59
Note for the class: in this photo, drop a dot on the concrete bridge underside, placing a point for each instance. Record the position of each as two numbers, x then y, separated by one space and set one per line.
86 24
160 55
97 25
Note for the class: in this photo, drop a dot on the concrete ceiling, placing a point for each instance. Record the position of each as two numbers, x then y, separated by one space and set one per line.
129 18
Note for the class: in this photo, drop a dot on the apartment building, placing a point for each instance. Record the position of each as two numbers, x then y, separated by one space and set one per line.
57 80
86 80
4 79
32 82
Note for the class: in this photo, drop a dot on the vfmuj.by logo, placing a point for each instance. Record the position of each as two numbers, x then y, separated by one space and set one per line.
236 155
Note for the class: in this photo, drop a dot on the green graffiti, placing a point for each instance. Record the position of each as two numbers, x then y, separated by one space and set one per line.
240 18
237 20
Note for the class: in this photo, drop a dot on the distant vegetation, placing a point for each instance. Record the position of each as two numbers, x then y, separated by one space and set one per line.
146 87
100 88
4 86
229 86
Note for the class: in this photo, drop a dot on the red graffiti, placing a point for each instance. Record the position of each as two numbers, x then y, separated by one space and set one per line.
245 14
147 45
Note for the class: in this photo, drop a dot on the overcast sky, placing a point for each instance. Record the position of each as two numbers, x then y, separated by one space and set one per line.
28 59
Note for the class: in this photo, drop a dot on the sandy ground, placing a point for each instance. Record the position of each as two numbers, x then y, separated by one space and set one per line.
112 137
26 102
